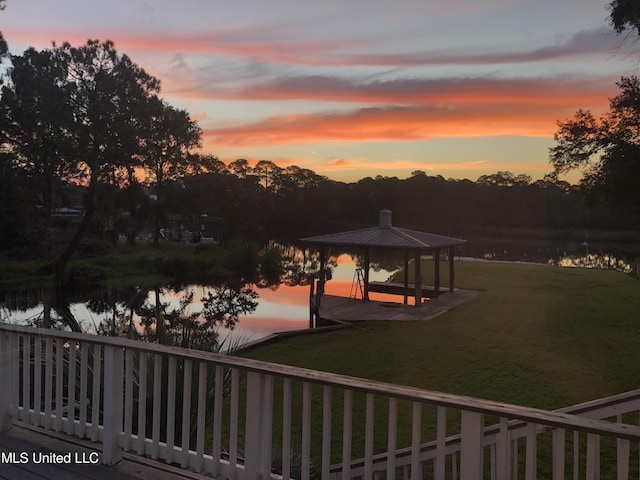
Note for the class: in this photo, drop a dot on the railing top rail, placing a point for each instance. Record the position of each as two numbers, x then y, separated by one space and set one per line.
627 400
602 403
489 407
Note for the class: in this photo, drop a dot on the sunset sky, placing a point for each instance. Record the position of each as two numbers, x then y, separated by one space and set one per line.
349 89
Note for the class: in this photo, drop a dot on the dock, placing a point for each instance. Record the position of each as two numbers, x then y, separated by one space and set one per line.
334 309
397 288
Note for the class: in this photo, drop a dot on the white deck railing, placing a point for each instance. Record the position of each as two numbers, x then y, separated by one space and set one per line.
242 419
614 408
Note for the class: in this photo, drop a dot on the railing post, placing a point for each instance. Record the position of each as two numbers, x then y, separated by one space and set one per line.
558 457
471 445
6 374
113 400
416 435
623 459
257 448
593 457
503 448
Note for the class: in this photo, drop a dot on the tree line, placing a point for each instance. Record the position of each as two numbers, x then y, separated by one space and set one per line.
268 202
85 126
296 202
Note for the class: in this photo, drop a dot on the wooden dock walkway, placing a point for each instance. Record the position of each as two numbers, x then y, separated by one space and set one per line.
342 309
397 288
26 453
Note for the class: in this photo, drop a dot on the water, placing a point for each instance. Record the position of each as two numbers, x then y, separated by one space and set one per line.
247 315
570 253
280 309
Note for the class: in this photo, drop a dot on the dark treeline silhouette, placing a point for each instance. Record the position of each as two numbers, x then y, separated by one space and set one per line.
285 204
267 202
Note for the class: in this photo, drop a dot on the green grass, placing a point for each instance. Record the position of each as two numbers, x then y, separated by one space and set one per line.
20 271
143 263
536 335
123 264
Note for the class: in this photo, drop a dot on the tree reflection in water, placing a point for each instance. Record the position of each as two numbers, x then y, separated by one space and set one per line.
201 316
298 265
172 315
150 316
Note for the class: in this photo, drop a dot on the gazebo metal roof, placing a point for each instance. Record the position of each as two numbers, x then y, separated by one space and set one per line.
385 235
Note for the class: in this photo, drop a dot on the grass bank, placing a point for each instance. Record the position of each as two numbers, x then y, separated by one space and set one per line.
536 335
146 264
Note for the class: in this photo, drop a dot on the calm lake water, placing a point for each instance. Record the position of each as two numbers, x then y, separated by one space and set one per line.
280 309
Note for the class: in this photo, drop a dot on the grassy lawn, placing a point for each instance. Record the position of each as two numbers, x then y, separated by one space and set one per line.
143 263
123 263
536 335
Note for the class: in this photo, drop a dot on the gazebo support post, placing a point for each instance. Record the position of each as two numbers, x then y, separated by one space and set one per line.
367 261
406 277
451 269
436 275
321 277
418 279
386 236
312 312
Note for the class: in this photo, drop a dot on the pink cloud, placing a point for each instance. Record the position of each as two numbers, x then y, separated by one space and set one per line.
394 123
340 163
270 45
246 43
264 45
549 91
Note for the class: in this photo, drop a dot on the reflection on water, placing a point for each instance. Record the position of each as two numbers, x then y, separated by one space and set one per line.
606 262
568 254
586 252
170 315
191 312
193 315
595 261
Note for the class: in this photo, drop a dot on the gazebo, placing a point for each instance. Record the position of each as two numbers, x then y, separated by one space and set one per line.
386 236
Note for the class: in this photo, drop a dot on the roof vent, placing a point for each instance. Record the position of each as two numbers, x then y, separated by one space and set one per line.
385 218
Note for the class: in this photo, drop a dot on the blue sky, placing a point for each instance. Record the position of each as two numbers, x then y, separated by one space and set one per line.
360 88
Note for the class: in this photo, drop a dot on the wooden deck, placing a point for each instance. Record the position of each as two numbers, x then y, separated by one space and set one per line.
342 309
249 438
23 447
396 288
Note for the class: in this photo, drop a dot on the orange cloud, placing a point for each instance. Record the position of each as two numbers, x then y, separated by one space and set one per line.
340 163
394 123
409 165
199 116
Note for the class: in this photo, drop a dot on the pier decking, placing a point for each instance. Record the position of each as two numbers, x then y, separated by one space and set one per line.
397 288
342 309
